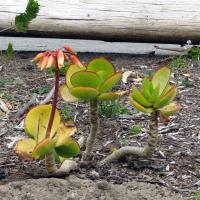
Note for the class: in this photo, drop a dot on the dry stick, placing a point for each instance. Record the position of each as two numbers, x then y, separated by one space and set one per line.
173 49
94 121
138 151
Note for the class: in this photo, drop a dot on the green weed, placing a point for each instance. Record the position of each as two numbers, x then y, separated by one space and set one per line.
40 90
10 51
136 129
197 195
179 62
66 112
112 109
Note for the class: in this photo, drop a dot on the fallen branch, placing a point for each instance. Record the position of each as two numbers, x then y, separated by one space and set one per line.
33 101
184 50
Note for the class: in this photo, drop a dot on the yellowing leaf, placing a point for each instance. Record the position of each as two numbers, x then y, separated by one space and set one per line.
170 109
24 148
37 120
66 95
64 134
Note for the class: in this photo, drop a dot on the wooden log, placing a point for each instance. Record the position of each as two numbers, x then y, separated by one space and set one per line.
166 21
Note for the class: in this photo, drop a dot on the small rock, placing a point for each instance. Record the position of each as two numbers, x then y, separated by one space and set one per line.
103 185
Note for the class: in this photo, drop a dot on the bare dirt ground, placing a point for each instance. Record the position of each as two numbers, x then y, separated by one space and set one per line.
176 163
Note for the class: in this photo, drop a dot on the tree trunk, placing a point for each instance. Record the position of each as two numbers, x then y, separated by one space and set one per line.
165 21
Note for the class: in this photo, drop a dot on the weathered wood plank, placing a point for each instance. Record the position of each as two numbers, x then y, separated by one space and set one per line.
165 21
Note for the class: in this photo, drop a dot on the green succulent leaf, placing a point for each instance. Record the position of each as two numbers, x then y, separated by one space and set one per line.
145 88
110 82
66 95
68 150
137 96
139 107
166 98
155 94
108 96
161 77
45 146
69 72
84 93
85 79
24 148
101 64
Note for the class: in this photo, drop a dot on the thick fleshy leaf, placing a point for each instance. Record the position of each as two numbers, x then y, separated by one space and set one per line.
37 120
24 148
108 96
166 98
70 149
170 109
111 95
69 72
45 146
101 64
110 82
155 94
58 159
85 79
137 96
140 107
161 77
63 134
145 88
84 93
66 95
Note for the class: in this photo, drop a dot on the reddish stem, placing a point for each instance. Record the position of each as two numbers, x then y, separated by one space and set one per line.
54 103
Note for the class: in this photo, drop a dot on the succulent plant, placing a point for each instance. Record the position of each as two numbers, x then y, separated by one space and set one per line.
156 94
155 97
91 83
37 144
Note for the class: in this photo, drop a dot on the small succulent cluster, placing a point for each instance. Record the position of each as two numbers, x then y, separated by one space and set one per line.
37 144
49 137
156 94
94 81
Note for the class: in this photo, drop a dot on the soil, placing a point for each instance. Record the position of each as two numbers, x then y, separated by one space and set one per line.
174 166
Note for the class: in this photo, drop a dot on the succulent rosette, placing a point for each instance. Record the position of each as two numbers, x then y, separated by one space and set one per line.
36 145
156 94
95 81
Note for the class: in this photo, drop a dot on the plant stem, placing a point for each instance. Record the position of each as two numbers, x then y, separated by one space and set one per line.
50 163
49 157
94 122
146 151
54 103
153 135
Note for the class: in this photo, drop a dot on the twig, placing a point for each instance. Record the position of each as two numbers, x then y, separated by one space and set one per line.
32 101
48 97
183 50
